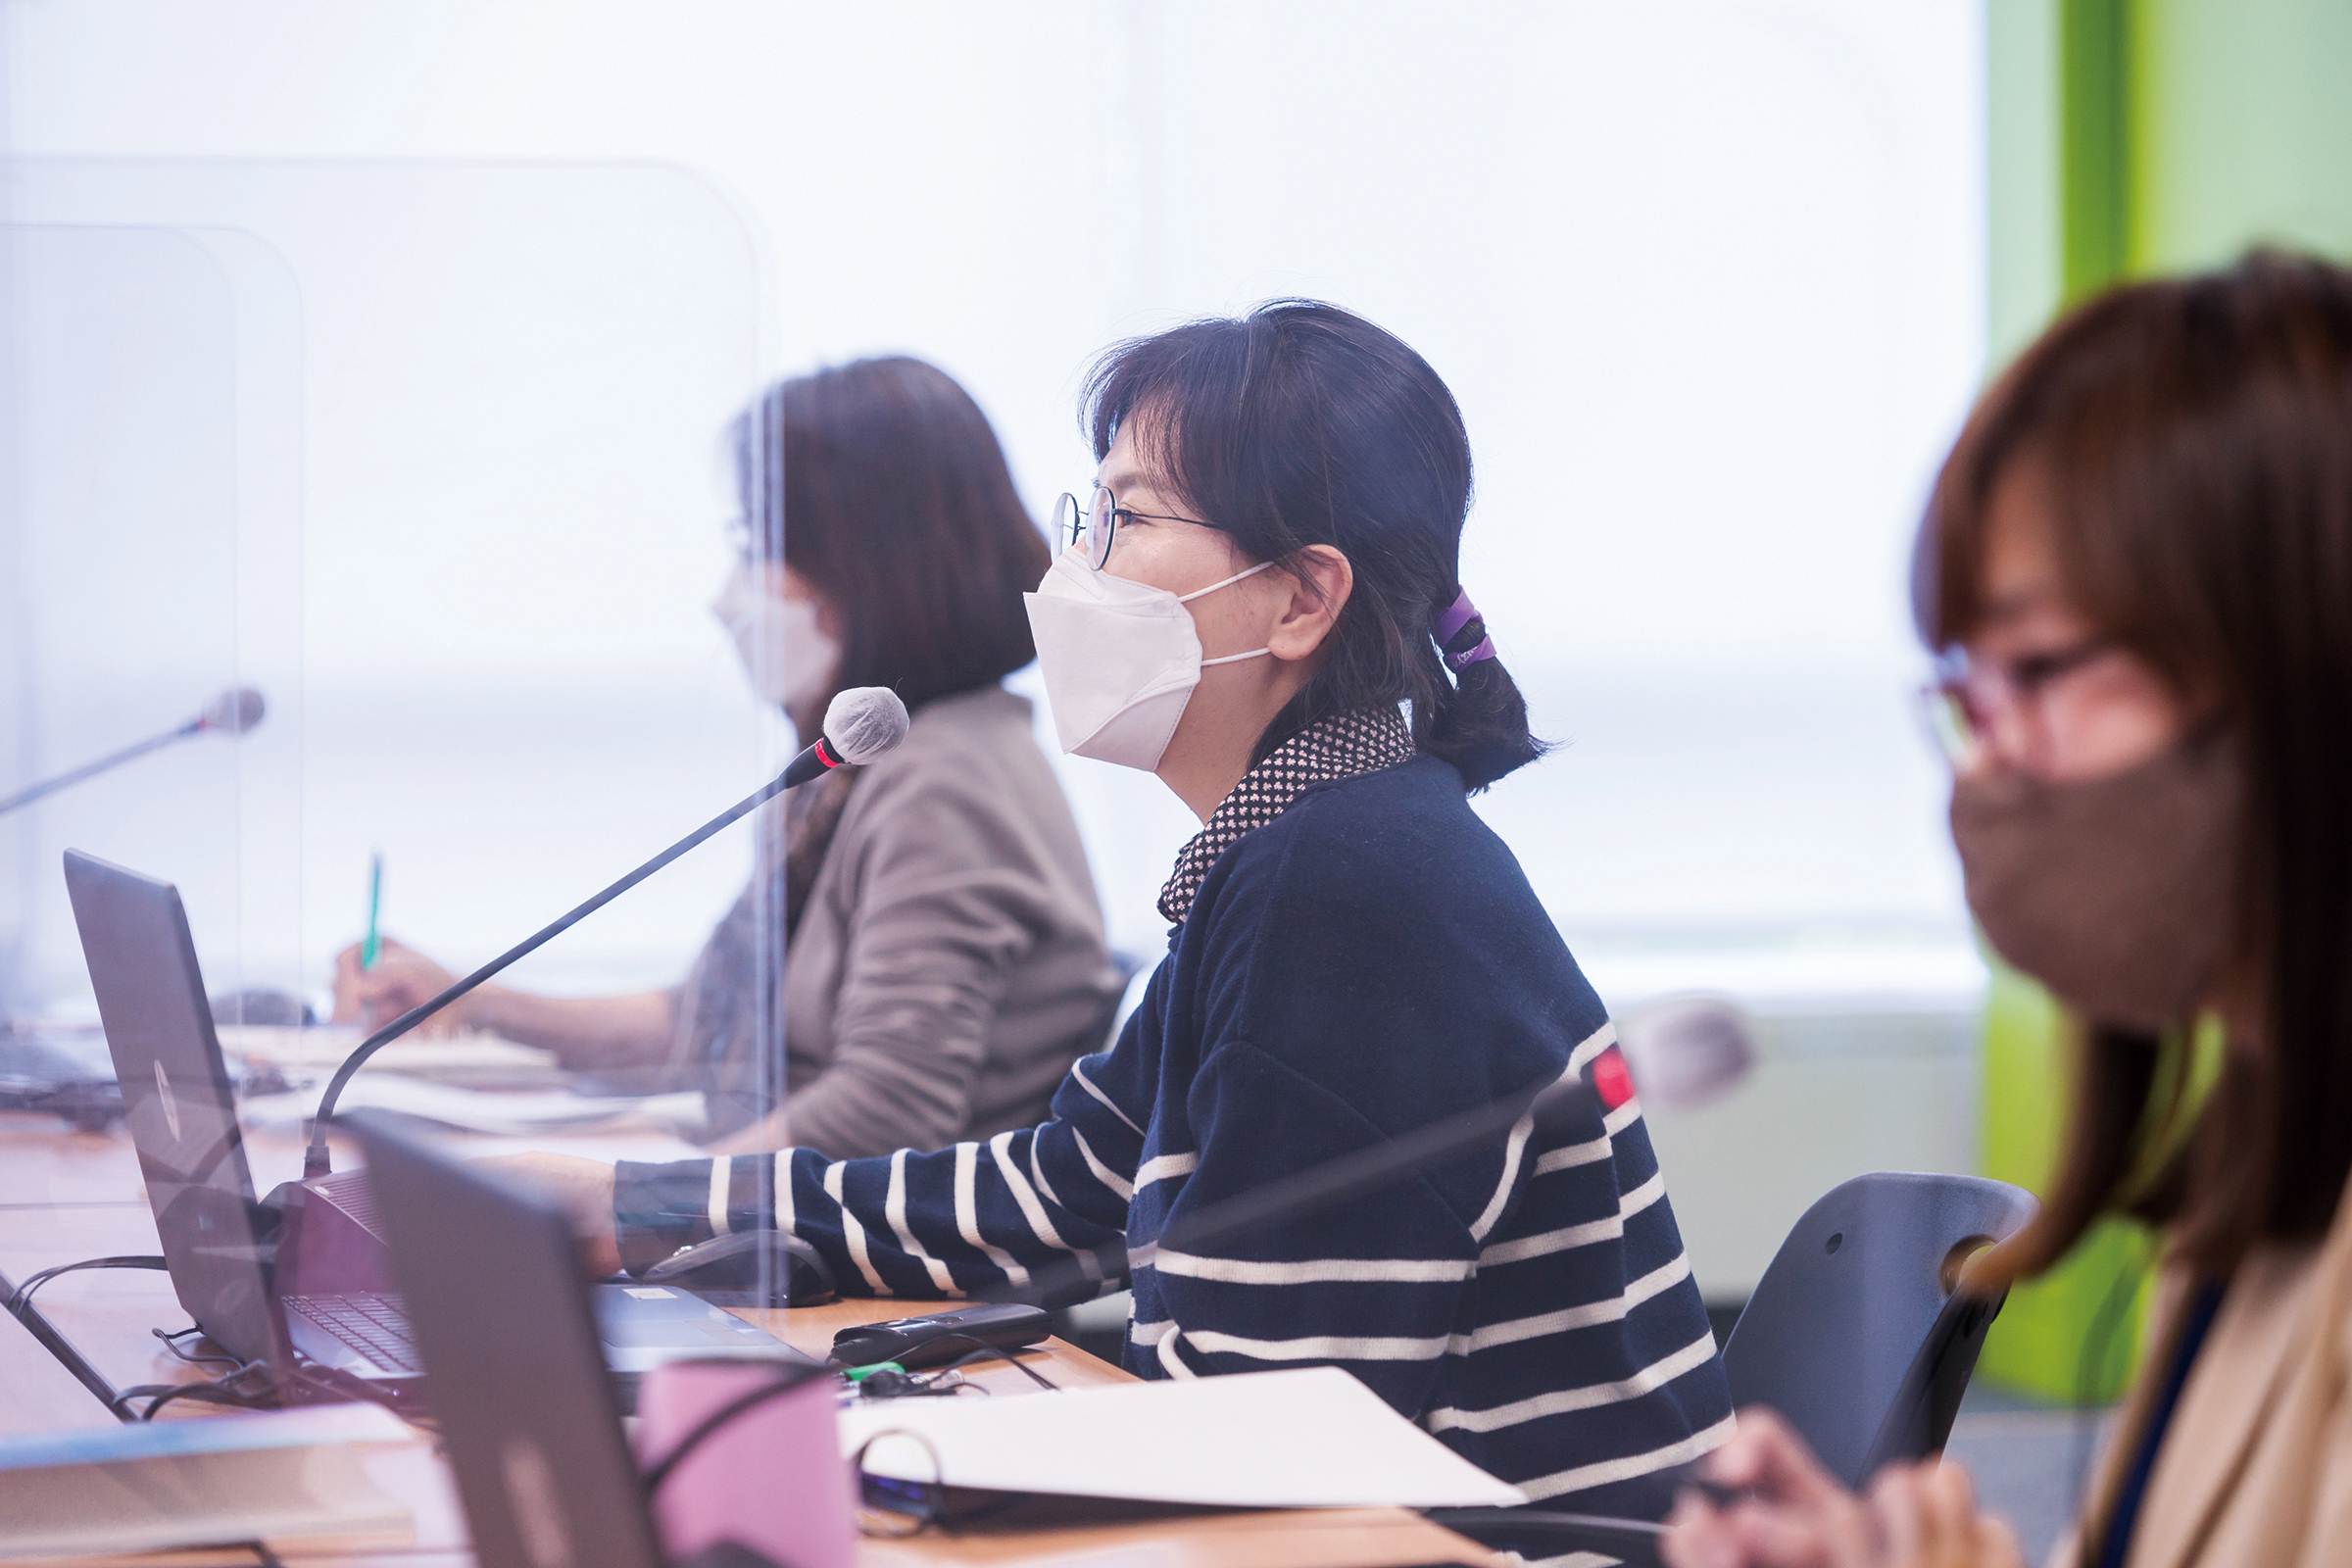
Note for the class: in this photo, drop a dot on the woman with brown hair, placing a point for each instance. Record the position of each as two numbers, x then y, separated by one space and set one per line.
2137 565
921 957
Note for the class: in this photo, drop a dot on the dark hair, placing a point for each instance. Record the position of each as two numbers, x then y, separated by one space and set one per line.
881 482
1300 424
2196 439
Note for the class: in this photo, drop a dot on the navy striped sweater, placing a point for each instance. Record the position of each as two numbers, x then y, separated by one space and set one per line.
1370 962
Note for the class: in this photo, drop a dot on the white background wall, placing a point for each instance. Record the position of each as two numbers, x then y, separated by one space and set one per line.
1706 278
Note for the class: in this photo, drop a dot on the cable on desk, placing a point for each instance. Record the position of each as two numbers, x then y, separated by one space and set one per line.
222 1389
702 1429
23 1293
982 1353
172 1341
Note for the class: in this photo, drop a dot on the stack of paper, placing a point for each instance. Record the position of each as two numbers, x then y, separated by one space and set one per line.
144 1487
1311 1439
470 1110
469 1058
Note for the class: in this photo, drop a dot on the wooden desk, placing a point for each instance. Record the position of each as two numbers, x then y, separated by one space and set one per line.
66 1196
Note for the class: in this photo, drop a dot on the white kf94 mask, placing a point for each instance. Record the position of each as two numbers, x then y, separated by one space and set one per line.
1121 660
786 655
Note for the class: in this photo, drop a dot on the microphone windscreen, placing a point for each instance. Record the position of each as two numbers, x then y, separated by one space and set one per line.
864 722
235 710
1686 1051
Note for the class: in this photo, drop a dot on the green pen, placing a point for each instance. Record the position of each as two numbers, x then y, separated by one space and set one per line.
370 944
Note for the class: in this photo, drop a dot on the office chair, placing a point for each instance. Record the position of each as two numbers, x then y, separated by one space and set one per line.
1853 1335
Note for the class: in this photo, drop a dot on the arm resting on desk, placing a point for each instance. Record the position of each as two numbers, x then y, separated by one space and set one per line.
918 1225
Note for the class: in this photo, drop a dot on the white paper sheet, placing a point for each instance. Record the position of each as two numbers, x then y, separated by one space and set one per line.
305 1427
192 1499
517 1114
470 1057
1310 1438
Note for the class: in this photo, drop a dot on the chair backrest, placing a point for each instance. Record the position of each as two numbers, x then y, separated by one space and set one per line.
1854 1333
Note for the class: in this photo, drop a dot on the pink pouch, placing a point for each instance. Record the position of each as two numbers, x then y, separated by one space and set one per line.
772 1478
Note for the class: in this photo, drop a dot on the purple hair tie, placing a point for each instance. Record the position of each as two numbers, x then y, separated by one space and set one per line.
1451 620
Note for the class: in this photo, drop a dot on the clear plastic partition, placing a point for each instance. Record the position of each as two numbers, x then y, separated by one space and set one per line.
432 460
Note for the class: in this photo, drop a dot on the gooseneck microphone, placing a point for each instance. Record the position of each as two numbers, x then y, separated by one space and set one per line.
1552 1104
861 724
232 713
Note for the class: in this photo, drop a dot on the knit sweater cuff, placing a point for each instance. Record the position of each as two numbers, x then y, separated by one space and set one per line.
658 1209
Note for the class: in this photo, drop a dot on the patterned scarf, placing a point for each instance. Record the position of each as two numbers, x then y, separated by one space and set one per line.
1343 746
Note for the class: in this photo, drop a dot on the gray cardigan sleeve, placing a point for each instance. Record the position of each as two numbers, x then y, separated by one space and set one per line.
936 890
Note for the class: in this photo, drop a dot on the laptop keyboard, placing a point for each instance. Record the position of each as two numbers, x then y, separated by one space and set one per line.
373 1325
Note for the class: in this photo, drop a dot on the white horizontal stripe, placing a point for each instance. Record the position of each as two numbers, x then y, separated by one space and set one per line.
1078 1071
1559 1402
1025 1197
1161 1167
1345 1270
783 1187
1624 1116
1582 1317
1037 1174
1631 1465
1513 1149
1103 1173
967 1213
1593 1045
894 1210
1151 1333
1585 1235
1170 1360
1562 1159
854 1232
1319 1347
1566 1559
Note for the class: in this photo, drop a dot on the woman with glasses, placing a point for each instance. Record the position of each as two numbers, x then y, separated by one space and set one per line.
1261 603
921 956
2138 560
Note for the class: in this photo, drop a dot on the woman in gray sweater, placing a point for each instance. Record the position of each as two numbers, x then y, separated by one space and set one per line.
920 956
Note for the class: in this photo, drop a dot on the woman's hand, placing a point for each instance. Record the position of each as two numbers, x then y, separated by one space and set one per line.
1914 1515
582 1189
402 978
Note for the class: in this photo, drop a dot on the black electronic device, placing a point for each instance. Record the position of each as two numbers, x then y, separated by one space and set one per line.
532 1433
861 724
937 1338
222 1247
763 1268
308 1269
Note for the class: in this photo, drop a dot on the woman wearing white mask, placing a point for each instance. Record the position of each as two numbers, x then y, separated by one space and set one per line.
930 915
1261 587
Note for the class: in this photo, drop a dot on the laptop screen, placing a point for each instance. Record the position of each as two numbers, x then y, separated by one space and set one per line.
177 1099
527 1414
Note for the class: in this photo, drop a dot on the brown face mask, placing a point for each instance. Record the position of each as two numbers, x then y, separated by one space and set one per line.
2115 893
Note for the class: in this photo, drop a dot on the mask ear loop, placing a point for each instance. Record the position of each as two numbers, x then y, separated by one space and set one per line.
1186 599
1229 659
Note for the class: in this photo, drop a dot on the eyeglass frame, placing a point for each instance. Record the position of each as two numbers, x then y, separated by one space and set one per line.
1082 519
1962 703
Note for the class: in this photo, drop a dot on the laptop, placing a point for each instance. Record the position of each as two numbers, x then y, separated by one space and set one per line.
341 1314
532 1434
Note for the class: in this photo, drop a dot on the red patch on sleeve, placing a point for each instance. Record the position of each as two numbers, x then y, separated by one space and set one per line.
1610 1080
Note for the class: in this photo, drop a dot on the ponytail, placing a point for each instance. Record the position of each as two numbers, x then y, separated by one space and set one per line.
1301 424
1480 725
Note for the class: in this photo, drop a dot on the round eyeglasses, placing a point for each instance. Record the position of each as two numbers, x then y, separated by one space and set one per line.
1968 706
1097 523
